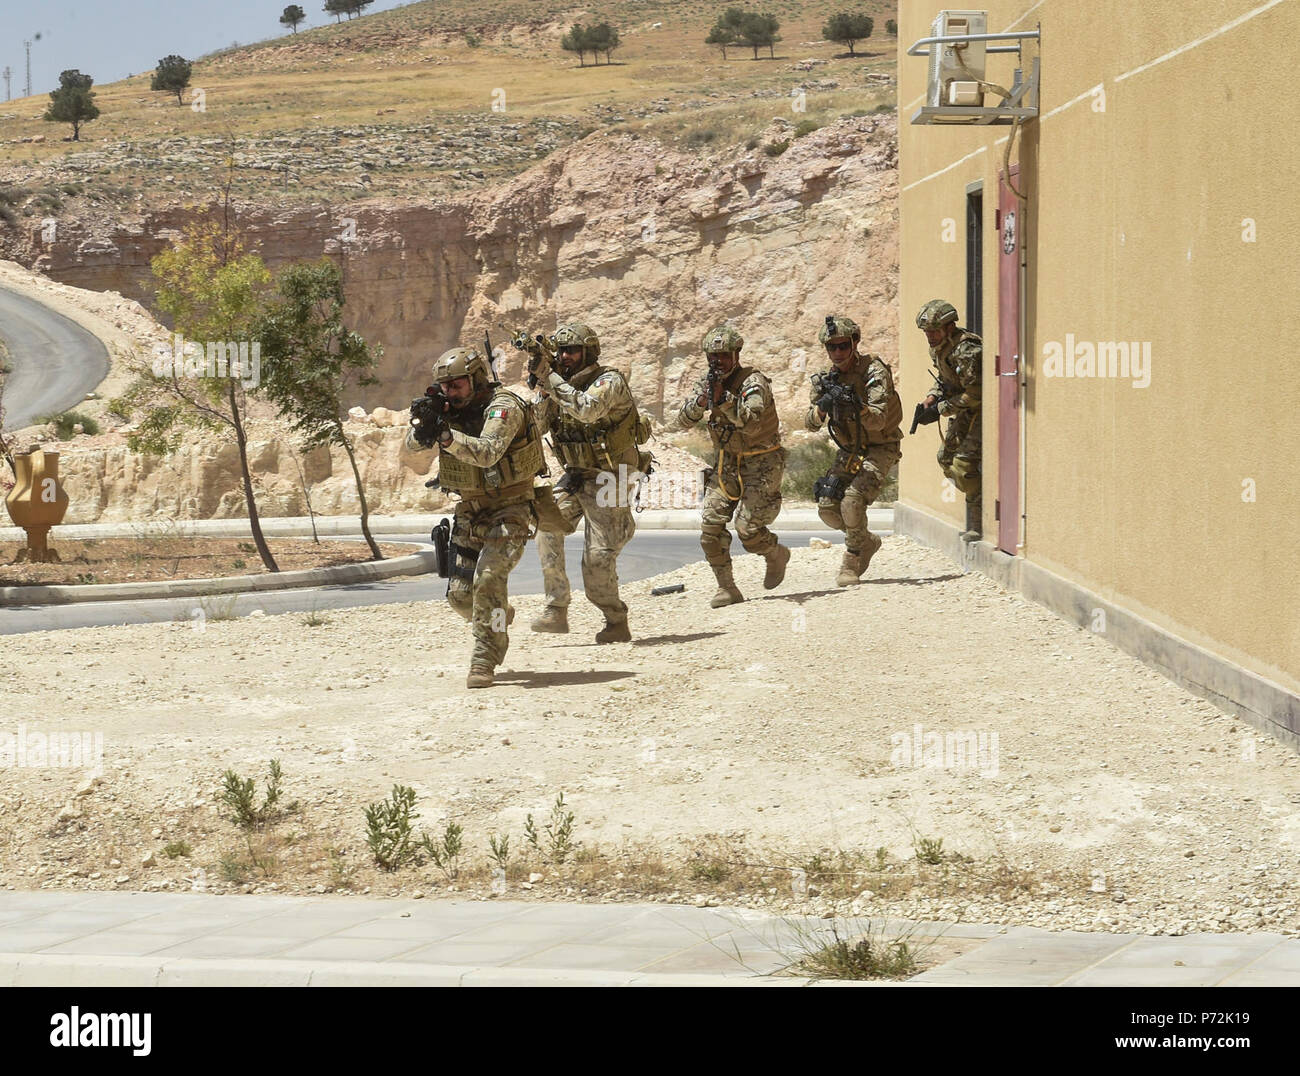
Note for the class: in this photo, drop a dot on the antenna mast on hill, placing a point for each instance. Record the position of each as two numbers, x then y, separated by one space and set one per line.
7 73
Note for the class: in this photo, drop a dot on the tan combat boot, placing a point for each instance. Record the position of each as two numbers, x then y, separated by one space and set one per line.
777 558
851 567
614 633
555 618
874 542
974 522
727 593
479 676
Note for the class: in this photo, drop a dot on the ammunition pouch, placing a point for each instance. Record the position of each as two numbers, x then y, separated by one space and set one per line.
643 429
600 447
441 538
645 462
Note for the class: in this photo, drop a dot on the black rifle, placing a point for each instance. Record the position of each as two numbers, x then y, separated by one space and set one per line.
834 392
429 416
537 347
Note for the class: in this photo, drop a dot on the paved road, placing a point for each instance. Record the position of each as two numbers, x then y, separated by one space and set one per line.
651 552
55 361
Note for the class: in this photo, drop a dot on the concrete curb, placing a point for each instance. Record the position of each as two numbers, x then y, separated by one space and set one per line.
792 519
370 571
27 969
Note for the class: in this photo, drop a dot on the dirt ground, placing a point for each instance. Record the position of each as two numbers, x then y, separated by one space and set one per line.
139 560
758 755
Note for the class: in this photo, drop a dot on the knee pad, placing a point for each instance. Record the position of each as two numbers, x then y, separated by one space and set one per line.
715 543
965 474
831 515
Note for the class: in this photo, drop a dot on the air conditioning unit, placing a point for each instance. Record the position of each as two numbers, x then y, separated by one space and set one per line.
957 69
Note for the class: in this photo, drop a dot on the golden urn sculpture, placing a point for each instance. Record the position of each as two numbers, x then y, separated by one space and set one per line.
37 502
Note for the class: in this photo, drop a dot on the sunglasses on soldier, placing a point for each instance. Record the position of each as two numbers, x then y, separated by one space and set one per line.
839 345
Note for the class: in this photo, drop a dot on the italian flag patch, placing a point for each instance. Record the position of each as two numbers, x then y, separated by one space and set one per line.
498 412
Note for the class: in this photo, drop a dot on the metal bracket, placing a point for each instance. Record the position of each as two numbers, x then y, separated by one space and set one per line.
1017 36
1022 104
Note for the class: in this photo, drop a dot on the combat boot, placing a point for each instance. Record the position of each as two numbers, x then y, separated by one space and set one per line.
727 593
974 524
555 618
874 542
614 633
851 567
777 558
479 676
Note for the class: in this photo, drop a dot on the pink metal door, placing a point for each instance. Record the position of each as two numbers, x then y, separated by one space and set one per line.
1010 233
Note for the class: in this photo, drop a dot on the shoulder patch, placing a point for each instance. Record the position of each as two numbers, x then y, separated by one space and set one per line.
497 411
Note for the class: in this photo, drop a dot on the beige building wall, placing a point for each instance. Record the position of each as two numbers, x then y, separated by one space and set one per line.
1162 208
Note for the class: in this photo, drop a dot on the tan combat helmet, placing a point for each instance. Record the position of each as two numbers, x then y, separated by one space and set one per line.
462 362
936 314
837 326
575 333
723 338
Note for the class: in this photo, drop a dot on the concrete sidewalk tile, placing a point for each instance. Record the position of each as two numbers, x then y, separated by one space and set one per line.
235 973
586 915
998 973
84 922
1261 977
644 936
225 947
16 940
45 900
1224 952
473 954
422 930
514 976
281 926
679 979
1285 956
1082 949
448 911
1145 976
188 926
366 974
371 949
83 971
111 943
607 957
524 930
710 959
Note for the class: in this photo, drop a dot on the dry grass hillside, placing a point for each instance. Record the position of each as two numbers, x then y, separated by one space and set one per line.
402 103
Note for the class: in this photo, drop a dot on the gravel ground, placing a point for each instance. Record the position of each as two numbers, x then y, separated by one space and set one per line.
781 728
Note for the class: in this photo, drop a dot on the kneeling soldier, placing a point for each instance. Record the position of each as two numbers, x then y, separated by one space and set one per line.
489 450
857 395
745 481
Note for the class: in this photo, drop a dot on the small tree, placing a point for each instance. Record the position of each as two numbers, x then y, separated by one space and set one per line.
759 31
891 26
172 75
848 29
577 40
292 16
311 359
603 38
73 102
336 8
721 37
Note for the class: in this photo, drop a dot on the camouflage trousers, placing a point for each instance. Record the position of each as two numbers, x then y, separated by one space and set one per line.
959 458
607 527
497 533
749 490
850 514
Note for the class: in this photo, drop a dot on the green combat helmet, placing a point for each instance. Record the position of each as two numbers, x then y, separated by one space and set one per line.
837 327
462 362
722 338
575 333
936 314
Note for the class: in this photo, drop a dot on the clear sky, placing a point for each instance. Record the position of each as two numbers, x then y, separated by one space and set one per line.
110 39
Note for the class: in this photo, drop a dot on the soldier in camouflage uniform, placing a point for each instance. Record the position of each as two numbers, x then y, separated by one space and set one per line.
595 430
489 450
866 426
957 354
746 478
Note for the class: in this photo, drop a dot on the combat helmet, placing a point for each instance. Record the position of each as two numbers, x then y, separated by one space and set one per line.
462 362
722 338
576 333
936 314
837 326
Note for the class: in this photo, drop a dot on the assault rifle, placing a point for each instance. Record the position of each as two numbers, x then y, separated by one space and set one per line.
429 416
539 347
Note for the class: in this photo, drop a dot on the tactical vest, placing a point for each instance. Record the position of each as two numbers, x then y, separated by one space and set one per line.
522 460
596 446
943 361
760 436
845 432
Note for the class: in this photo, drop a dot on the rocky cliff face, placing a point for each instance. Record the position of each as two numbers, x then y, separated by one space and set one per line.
648 246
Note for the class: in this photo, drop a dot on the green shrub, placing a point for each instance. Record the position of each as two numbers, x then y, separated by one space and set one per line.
65 420
805 127
804 464
775 149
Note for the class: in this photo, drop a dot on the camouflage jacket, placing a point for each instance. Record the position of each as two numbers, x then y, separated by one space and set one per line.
958 364
881 412
747 406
